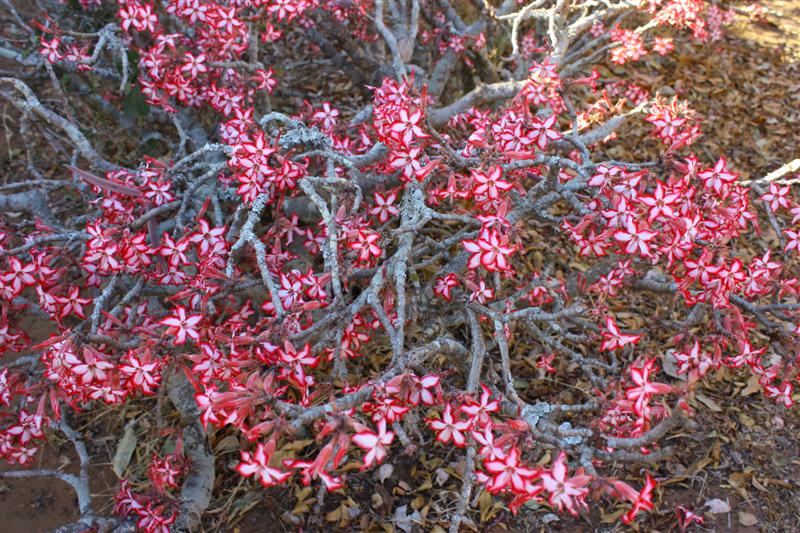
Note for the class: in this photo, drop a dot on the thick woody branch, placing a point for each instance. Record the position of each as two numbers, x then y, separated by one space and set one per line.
197 487
483 94
676 419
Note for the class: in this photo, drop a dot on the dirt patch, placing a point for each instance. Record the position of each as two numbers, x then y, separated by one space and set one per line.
38 504
779 27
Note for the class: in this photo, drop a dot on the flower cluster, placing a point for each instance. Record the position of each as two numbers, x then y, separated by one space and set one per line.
348 267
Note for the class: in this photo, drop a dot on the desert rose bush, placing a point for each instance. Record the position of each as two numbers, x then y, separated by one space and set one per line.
371 275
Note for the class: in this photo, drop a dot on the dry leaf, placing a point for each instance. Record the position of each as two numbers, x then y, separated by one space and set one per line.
377 500
717 506
752 386
747 519
757 484
227 444
669 365
417 503
708 402
385 471
125 449
405 521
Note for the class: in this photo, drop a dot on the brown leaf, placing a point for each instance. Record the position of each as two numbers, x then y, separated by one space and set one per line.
747 519
125 449
708 402
752 386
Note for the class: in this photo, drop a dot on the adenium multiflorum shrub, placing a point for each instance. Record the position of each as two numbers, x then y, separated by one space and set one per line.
373 275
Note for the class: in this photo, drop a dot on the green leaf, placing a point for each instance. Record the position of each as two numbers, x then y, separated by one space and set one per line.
134 105
133 64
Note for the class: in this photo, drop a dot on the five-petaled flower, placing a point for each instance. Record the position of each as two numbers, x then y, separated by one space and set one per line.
781 393
544 131
491 183
257 464
444 285
449 428
182 325
364 242
776 197
565 492
644 388
375 444
635 238
490 250
406 126
384 206
480 411
718 178
509 472
613 339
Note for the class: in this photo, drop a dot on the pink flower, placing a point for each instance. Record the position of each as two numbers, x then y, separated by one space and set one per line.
50 50
327 116
448 428
444 284
375 444
480 292
20 275
479 412
613 339
73 303
564 491
257 465
384 206
635 238
793 240
686 518
642 500
695 358
182 325
777 197
194 64
490 183
152 519
405 126
644 388
508 472
663 45
544 131
143 373
490 249
718 179
660 203
365 243
781 394
93 367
